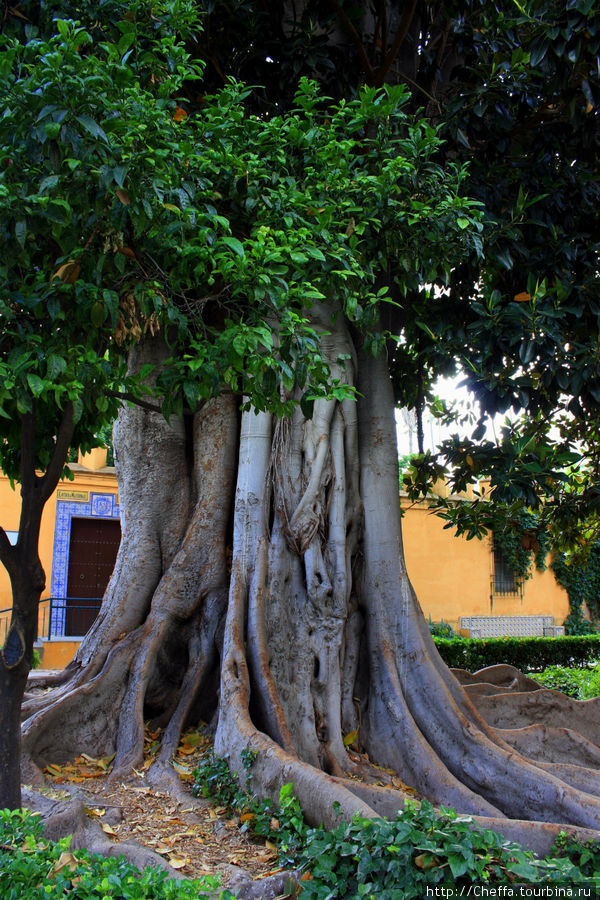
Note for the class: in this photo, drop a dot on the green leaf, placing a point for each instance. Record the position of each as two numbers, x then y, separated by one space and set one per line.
49 182
523 869
235 245
21 231
119 175
458 865
191 394
98 314
299 258
269 382
36 384
307 405
55 365
92 127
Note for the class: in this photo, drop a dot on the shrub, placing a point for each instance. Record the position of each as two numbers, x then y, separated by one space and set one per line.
576 624
391 859
32 868
570 681
528 654
585 856
591 687
440 629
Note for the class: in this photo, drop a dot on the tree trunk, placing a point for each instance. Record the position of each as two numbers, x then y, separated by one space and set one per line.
313 633
27 577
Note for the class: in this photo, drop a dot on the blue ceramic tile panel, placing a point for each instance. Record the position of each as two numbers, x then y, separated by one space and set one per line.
99 505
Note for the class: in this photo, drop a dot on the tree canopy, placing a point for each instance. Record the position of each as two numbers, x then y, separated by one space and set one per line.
513 92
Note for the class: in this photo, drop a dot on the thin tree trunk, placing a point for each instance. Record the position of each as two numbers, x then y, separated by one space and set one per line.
15 662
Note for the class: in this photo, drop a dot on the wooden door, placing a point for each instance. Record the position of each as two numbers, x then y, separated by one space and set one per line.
92 554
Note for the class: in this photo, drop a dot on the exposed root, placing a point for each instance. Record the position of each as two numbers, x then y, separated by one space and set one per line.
38 679
502 677
324 643
548 744
184 611
509 711
62 818
81 720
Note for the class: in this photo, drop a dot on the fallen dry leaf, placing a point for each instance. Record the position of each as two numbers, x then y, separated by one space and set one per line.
66 860
271 872
95 811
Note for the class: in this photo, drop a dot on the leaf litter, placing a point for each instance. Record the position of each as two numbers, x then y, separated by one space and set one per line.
196 838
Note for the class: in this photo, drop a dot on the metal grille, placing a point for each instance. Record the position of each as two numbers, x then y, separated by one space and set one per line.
74 616
504 579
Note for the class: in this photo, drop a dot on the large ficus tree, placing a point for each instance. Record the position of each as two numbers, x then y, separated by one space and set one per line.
260 581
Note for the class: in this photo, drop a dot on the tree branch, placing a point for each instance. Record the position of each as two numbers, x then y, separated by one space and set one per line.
59 455
384 29
151 407
7 553
137 401
405 24
27 462
355 37
418 87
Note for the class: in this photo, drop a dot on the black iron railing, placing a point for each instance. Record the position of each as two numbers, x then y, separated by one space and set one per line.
506 586
59 617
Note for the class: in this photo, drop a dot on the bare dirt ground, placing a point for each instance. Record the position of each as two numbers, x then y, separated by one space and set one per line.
194 836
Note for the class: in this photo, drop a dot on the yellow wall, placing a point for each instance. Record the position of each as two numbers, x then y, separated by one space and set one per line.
55 653
10 510
102 481
453 577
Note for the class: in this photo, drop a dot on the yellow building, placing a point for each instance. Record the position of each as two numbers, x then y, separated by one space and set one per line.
79 539
454 578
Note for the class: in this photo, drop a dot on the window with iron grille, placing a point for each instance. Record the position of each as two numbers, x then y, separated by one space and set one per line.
504 578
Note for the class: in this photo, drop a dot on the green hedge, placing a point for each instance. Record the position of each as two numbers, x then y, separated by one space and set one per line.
528 654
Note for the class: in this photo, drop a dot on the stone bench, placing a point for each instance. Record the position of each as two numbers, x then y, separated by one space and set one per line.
510 626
